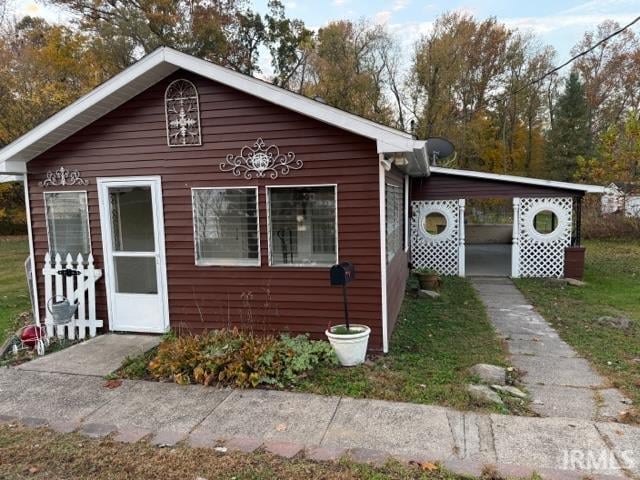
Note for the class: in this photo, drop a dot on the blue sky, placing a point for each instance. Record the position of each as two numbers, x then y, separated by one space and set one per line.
560 23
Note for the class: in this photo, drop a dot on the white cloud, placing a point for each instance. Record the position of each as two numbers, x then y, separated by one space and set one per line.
552 23
339 3
382 17
400 4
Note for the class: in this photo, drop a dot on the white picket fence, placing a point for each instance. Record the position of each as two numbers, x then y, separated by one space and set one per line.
80 288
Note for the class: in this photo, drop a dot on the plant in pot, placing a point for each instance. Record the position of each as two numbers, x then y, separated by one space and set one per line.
348 341
427 278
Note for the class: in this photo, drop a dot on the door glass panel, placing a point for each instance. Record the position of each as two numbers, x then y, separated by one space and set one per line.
132 219
135 275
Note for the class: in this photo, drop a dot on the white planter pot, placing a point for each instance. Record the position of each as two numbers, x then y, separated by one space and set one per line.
351 349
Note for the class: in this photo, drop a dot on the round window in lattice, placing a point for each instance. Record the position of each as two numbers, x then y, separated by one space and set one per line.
434 223
545 222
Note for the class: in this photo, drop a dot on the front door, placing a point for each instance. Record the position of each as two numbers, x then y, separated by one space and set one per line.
132 225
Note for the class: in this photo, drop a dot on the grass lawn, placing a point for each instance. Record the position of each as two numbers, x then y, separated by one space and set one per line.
612 274
43 454
433 345
14 296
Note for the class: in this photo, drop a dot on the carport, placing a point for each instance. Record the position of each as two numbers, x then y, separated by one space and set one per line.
541 239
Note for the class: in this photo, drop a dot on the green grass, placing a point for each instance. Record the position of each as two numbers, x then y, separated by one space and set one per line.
14 296
42 454
434 344
612 274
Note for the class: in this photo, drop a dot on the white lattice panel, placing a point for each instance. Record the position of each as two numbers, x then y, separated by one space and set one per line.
542 255
439 252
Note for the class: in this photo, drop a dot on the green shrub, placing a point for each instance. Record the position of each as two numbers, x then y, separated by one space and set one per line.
233 357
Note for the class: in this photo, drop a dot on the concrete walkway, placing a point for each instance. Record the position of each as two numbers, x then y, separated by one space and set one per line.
322 428
561 383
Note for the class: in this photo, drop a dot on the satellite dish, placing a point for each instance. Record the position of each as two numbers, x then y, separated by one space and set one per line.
439 148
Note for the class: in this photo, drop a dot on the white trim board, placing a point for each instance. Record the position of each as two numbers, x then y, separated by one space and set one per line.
163 62
516 179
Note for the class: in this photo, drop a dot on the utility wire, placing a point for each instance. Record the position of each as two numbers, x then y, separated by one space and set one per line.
575 57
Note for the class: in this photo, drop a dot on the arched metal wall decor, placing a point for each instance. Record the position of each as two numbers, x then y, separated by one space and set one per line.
444 251
61 177
260 160
182 111
538 254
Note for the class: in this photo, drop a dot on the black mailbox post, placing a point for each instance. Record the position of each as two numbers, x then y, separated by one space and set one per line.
342 274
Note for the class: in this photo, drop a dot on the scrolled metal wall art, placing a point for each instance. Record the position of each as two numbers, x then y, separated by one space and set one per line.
260 160
62 177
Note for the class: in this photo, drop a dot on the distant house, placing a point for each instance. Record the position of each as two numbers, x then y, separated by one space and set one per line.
205 198
622 198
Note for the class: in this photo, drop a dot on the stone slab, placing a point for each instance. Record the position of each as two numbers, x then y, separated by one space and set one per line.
612 404
167 438
558 401
543 346
98 356
549 443
325 454
243 444
131 435
59 397
161 406
403 429
283 449
272 415
574 372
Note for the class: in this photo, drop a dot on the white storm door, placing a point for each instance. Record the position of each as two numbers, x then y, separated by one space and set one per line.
132 226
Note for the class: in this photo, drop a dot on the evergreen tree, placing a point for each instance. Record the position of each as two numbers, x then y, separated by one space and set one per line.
569 136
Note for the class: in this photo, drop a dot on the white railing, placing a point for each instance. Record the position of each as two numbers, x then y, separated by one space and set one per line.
79 288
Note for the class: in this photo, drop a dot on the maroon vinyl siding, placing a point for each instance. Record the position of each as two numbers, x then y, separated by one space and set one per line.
131 141
397 267
441 186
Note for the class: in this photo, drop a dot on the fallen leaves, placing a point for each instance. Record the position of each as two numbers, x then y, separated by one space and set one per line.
111 384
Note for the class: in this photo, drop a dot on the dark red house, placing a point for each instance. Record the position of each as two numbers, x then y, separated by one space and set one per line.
208 198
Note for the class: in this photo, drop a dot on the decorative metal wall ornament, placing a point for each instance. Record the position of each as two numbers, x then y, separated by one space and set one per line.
63 177
260 160
182 112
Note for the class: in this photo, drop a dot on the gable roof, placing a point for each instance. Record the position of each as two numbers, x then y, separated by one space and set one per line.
516 179
164 61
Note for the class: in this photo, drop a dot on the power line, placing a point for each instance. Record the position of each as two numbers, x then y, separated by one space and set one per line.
575 57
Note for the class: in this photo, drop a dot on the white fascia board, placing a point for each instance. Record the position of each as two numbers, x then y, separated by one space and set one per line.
524 180
13 167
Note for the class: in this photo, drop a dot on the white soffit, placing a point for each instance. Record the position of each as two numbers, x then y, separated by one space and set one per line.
161 63
523 180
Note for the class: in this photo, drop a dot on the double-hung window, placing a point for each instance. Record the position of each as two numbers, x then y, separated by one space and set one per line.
302 225
67 220
226 226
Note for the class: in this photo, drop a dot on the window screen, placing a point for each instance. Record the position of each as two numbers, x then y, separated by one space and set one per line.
303 225
67 223
226 226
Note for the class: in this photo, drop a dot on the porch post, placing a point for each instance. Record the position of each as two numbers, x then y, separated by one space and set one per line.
578 237
515 247
461 241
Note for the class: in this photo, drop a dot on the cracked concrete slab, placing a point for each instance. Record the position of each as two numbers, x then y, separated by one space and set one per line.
158 406
570 372
271 415
624 440
611 404
558 401
98 356
549 346
549 443
404 429
60 397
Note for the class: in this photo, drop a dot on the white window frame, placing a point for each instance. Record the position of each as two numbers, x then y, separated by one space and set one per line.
268 208
223 262
401 218
46 217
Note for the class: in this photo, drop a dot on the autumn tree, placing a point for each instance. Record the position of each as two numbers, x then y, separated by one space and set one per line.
346 69
43 68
